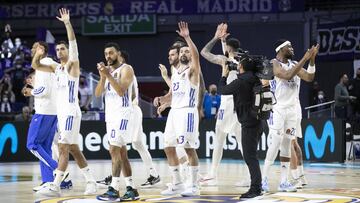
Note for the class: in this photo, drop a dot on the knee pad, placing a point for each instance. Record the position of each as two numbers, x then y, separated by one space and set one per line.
285 148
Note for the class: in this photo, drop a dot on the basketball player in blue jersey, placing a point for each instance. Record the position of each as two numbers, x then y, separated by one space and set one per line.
68 110
44 122
227 121
283 122
183 120
117 83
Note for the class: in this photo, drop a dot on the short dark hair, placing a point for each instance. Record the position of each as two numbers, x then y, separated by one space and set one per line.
233 43
125 55
174 47
64 43
112 44
342 75
45 45
248 64
279 42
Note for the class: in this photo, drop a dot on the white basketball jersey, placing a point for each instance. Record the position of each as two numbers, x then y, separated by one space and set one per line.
184 94
67 92
44 81
115 104
286 91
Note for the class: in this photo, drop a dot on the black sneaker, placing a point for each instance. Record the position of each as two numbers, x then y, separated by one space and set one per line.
151 181
131 194
251 194
110 195
106 181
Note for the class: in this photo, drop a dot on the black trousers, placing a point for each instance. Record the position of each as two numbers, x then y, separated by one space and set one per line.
341 112
250 140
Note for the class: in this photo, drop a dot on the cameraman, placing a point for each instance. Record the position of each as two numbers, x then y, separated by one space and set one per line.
242 91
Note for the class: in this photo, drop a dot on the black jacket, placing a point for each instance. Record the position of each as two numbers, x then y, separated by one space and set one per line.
242 90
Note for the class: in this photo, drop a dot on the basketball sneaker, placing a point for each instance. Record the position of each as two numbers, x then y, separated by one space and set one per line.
265 185
151 181
173 189
110 195
66 185
131 194
49 189
303 180
208 180
286 187
191 191
105 181
37 188
90 188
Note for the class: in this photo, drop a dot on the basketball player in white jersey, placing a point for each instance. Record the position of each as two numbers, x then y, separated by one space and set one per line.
296 161
138 134
226 121
282 124
68 111
117 83
183 120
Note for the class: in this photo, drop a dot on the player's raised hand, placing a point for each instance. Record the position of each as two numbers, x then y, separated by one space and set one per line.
315 51
163 71
64 15
103 70
183 29
221 31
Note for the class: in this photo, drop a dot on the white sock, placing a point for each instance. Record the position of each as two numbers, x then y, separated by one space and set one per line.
129 181
59 175
153 172
301 170
194 170
218 152
294 174
115 183
266 168
284 171
87 174
175 172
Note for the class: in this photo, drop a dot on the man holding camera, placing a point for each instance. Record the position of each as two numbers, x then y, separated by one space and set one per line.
226 121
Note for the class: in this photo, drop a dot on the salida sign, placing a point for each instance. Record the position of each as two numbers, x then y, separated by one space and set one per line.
339 41
129 24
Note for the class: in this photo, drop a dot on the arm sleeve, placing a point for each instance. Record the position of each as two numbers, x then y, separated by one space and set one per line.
73 51
229 89
338 95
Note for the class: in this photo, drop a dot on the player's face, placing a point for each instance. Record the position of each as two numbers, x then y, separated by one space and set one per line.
288 51
111 55
173 57
185 55
61 51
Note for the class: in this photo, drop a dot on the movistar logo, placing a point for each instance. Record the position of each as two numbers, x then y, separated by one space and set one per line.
8 131
318 145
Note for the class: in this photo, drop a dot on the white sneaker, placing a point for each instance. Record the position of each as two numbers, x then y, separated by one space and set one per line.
191 191
49 189
208 180
37 188
286 187
243 183
90 188
173 189
303 180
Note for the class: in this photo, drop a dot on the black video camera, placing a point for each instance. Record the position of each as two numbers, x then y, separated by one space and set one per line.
263 68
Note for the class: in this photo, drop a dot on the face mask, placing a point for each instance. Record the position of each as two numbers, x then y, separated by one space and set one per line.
213 92
320 96
82 83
